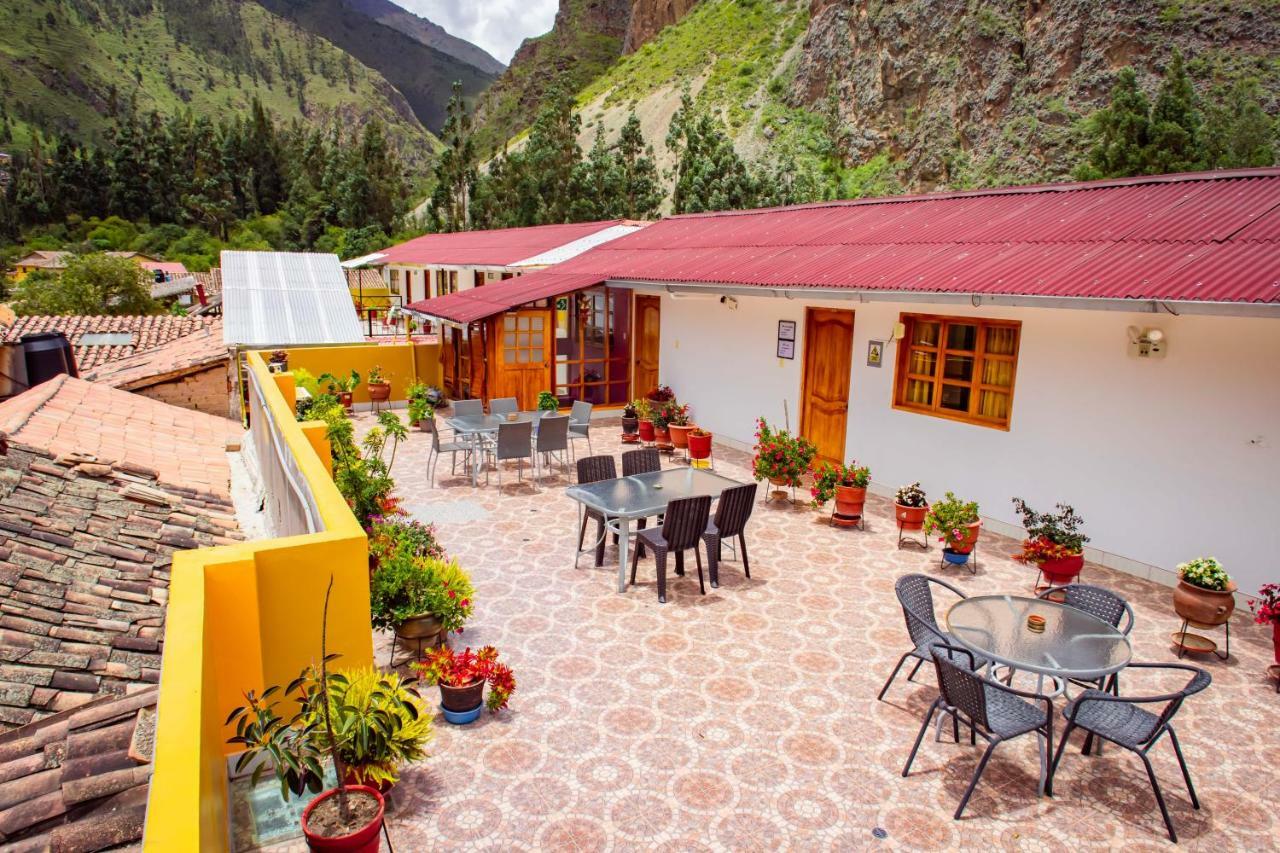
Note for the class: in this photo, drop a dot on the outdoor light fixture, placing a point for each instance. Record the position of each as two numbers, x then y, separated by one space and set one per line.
729 302
1147 343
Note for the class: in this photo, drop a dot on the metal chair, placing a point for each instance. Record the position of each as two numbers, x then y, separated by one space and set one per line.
641 461
580 423
468 408
503 406
1122 721
730 522
686 521
453 448
1099 602
993 710
916 599
593 469
515 441
552 439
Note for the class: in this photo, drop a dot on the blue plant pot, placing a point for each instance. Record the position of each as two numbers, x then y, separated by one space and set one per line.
461 718
953 558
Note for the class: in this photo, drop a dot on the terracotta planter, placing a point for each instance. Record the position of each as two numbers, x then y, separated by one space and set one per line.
910 517
1064 571
850 501
965 545
646 430
1208 607
680 435
1275 640
662 435
699 446
419 628
462 698
367 839
379 392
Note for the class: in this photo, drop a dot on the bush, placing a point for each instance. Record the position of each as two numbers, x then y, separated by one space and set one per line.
827 476
951 516
780 456
1206 573
405 586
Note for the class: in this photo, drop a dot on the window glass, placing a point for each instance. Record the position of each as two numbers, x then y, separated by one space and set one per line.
959 368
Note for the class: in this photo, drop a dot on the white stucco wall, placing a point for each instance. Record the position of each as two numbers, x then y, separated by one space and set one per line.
1165 459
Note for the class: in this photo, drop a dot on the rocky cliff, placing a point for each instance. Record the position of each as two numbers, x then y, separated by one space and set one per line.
649 17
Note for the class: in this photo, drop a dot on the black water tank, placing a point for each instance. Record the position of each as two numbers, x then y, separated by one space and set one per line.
48 354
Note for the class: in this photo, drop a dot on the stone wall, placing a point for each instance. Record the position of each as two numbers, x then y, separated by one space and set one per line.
207 391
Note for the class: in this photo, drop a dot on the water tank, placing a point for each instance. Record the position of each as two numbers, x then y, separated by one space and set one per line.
48 354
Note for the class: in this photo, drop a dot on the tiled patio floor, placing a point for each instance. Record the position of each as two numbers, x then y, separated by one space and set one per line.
747 719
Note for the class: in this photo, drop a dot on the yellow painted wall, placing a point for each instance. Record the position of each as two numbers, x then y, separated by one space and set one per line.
248 616
402 363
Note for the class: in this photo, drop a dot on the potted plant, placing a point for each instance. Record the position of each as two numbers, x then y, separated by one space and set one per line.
548 402
1054 543
278 362
1205 593
462 676
847 484
393 535
343 387
662 412
699 443
661 394
678 424
419 597
421 409
344 818
781 458
1267 610
379 386
630 424
363 473
910 507
957 524
644 412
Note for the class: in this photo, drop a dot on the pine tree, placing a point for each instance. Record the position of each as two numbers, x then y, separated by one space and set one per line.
1121 132
1174 143
1237 131
709 173
597 184
640 193
549 159
455 171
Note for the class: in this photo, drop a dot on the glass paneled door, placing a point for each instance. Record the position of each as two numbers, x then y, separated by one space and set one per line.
593 346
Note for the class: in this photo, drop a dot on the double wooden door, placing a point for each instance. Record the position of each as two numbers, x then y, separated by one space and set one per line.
828 360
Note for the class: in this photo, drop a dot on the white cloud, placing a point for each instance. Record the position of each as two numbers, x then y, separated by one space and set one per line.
498 26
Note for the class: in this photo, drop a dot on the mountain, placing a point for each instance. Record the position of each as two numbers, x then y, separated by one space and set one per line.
423 74
902 94
429 33
70 65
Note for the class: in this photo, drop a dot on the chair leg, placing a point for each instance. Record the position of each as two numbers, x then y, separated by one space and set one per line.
582 530
924 727
713 559
892 676
1155 787
600 540
680 563
977 774
746 564
660 558
635 563
1186 774
697 556
1062 747
915 669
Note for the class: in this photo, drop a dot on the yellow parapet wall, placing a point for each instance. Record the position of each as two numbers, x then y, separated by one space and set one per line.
402 364
244 617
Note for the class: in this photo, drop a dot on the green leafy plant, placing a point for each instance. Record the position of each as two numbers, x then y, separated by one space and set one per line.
375 376
781 456
420 406
1205 572
363 474
643 409
827 475
389 536
1061 528
547 402
629 411
951 517
344 384
671 413
405 586
911 495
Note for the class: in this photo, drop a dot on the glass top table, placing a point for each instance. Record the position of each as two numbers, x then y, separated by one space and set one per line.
625 499
471 426
1074 644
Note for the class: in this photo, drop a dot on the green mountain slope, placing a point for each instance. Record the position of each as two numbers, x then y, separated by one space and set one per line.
427 32
68 65
424 75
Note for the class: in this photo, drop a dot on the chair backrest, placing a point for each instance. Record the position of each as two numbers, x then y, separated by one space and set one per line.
553 433
593 469
960 686
1096 601
434 427
515 440
1200 679
581 412
686 521
641 461
468 408
503 406
916 597
735 508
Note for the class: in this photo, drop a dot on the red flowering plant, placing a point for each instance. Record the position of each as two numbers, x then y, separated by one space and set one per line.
662 394
1266 608
780 456
827 475
462 669
407 585
1050 535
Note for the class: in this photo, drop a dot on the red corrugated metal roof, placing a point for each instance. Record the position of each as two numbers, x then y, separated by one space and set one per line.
498 247
1208 237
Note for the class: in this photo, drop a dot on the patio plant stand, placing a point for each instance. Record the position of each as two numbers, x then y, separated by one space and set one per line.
1199 644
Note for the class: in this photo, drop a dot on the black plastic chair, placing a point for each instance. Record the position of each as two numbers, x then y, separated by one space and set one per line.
686 521
642 461
1123 721
593 469
993 710
916 598
730 522
1105 605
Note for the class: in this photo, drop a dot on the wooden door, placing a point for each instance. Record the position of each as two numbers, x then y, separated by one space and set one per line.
828 358
450 341
523 352
647 334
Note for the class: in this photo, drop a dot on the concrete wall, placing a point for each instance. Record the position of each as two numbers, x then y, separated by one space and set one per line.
1165 459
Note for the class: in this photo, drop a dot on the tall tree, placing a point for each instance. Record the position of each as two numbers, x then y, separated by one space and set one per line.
640 193
91 284
455 170
1238 133
1174 143
709 173
1121 132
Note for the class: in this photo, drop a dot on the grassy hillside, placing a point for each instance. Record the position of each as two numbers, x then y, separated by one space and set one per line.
66 66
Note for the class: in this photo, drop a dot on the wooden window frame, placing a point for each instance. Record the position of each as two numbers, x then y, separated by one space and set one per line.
609 327
976 386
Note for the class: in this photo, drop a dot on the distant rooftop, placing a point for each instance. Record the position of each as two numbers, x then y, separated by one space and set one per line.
286 299
145 332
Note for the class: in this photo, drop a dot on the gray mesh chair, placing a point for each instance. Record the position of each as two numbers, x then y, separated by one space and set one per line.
438 448
993 710
552 440
580 423
686 520
468 408
593 469
1123 721
515 441
916 597
730 523
503 406
1105 605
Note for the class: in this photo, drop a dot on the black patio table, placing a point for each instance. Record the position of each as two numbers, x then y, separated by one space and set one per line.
626 499
473 427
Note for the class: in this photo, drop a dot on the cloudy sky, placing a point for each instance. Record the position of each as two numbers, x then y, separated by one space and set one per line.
498 26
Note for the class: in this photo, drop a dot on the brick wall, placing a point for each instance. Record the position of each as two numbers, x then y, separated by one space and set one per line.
205 391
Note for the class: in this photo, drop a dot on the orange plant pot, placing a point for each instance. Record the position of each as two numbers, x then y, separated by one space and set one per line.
850 501
680 435
910 517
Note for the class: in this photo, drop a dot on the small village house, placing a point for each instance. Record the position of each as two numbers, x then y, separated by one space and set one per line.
56 261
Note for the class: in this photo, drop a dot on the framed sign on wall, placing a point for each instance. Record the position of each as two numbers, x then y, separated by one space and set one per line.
786 339
875 353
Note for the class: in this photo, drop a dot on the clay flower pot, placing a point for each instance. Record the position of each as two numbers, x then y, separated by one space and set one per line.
680 435
910 517
1064 571
662 435
965 546
850 501
461 698
699 446
366 839
379 392
1207 607
1275 640
646 430
344 399
418 628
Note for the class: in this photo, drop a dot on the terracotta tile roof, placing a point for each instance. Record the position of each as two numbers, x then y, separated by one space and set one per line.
181 448
211 281
187 354
77 781
148 331
44 259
